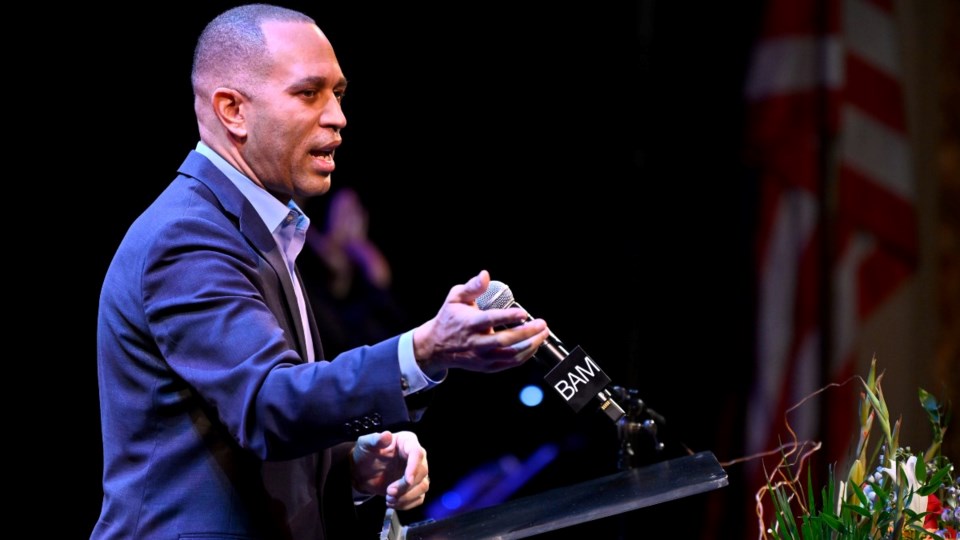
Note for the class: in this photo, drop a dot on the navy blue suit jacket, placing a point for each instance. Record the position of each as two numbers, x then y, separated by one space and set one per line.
214 425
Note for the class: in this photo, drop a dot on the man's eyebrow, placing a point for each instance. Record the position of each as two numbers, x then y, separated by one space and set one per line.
318 81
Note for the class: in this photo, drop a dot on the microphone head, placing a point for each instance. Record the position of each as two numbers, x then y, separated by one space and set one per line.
497 296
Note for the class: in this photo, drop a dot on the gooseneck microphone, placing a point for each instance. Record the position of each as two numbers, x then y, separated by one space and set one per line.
573 375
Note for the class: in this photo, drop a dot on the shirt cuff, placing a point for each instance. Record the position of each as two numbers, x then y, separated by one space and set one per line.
413 379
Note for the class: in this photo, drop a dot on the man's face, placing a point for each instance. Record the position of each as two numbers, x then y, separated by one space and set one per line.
294 116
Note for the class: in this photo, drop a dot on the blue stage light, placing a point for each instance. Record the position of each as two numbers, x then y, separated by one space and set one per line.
451 500
531 395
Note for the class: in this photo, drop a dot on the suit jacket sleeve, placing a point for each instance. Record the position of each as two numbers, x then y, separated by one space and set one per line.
210 299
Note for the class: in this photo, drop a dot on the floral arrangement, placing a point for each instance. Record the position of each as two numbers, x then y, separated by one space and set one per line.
888 492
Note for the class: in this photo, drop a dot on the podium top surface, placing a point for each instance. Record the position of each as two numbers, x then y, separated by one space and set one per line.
567 506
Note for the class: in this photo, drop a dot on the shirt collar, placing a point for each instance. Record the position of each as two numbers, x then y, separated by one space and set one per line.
271 211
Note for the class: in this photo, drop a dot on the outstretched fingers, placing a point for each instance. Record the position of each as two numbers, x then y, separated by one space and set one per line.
487 321
471 290
512 346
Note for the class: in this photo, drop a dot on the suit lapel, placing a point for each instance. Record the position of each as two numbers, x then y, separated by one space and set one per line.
279 265
255 231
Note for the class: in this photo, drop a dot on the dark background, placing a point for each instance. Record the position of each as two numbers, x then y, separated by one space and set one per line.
587 156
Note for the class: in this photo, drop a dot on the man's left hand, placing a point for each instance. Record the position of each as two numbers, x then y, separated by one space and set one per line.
393 465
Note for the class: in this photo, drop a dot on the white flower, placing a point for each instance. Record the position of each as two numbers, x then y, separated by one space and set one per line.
917 503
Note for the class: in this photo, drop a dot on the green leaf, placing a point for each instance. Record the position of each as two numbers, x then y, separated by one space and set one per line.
929 403
895 437
913 515
882 494
860 494
882 416
934 483
830 493
858 509
883 519
788 533
920 471
923 533
832 522
872 398
883 402
785 515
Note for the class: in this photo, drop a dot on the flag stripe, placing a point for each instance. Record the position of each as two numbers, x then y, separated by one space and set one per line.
794 64
879 153
800 19
867 205
881 274
870 32
872 91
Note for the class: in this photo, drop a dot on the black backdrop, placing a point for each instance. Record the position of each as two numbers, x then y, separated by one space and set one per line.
588 156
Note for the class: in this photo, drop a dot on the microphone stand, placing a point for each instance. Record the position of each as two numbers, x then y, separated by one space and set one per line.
638 421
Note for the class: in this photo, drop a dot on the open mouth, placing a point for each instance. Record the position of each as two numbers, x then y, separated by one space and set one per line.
326 155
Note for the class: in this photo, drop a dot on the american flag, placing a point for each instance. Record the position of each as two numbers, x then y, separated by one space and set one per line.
837 232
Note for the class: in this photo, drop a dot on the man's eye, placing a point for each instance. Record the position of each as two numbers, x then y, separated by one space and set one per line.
308 93
339 96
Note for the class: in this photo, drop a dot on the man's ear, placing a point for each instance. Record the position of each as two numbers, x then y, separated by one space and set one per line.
230 107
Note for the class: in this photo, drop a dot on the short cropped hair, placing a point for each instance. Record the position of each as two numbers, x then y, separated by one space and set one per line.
231 50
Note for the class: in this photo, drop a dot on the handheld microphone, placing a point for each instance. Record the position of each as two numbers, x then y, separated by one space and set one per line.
573 375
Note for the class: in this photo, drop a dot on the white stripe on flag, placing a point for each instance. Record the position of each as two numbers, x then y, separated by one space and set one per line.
796 219
880 153
790 64
871 33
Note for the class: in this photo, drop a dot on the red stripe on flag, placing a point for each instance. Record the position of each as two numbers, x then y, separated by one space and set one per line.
841 406
880 275
874 91
784 138
771 194
868 206
788 18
